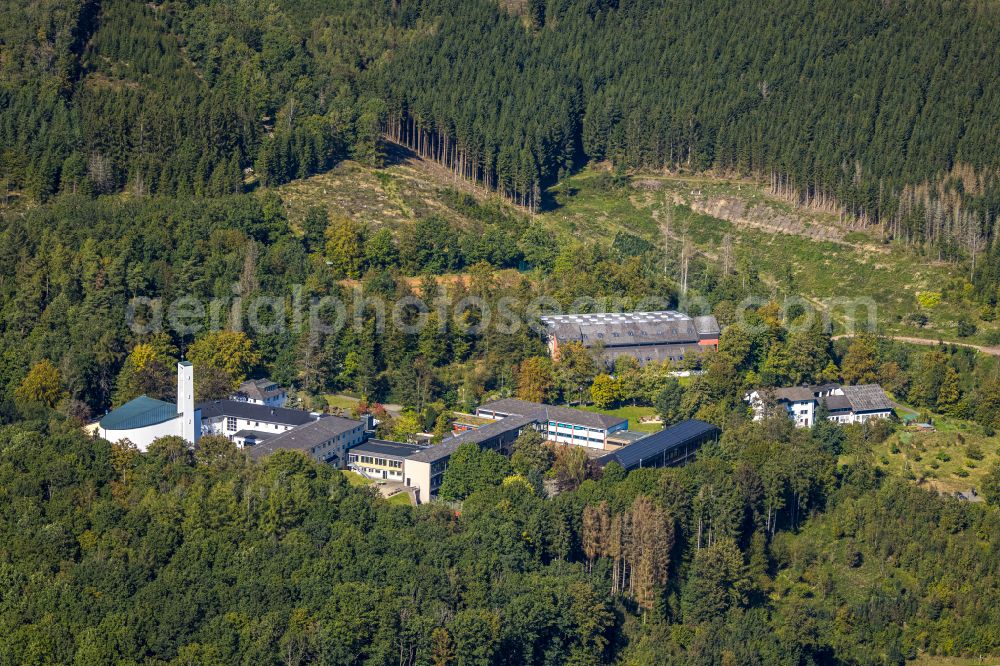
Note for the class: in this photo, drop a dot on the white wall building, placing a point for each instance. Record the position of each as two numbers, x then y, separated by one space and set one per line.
381 459
563 425
326 439
247 423
144 419
845 404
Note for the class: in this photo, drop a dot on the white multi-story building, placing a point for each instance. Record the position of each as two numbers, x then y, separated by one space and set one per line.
381 459
844 404
563 425
261 392
326 439
247 423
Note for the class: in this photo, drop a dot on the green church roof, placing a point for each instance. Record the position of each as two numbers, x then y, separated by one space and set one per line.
139 413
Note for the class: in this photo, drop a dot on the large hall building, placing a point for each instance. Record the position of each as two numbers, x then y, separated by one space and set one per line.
647 336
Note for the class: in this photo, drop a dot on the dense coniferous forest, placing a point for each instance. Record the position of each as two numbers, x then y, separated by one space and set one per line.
202 558
884 111
141 144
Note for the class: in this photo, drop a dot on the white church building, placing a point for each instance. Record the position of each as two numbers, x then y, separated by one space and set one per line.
144 419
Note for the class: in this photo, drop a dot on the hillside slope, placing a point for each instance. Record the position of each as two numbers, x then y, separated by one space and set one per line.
795 250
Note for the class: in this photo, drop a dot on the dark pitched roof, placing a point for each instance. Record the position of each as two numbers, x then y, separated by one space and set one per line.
647 353
139 413
431 454
547 413
659 442
862 398
795 394
513 406
867 398
246 410
305 437
836 403
707 326
385 447
623 328
259 389
258 435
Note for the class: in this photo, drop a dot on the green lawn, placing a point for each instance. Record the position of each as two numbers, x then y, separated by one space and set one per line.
402 499
340 401
633 414
356 479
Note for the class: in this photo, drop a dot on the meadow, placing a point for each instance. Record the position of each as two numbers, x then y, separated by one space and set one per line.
954 457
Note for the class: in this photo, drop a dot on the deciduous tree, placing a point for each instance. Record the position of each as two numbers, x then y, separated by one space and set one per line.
41 386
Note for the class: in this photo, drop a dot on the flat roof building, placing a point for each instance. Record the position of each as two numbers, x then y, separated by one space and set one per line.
671 446
624 438
380 459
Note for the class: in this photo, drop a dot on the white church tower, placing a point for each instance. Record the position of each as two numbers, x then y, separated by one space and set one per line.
190 427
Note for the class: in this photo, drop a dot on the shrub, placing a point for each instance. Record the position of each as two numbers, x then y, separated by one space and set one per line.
928 299
966 328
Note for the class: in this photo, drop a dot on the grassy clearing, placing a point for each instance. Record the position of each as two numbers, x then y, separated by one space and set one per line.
816 256
405 190
795 250
954 457
340 401
928 660
633 414
584 209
